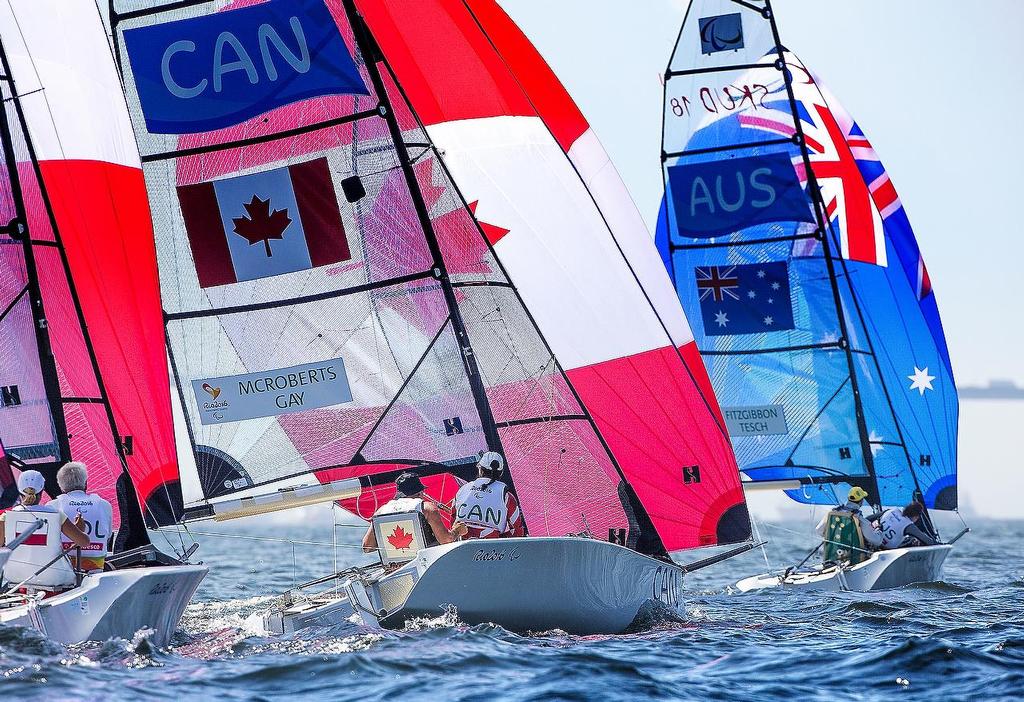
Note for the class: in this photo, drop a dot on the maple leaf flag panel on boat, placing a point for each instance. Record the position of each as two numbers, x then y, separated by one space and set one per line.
254 226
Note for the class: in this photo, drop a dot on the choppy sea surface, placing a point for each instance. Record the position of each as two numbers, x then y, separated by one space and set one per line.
959 639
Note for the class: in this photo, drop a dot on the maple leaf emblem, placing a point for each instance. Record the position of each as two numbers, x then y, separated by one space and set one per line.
261 225
399 539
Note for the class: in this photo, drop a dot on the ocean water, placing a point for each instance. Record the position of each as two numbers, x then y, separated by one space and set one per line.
959 639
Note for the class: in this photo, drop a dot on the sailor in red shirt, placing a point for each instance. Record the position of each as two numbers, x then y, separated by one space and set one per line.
486 506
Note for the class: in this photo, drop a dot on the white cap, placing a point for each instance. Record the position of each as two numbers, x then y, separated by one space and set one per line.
31 481
492 462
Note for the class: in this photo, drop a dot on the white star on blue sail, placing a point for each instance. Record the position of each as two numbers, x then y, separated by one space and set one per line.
921 381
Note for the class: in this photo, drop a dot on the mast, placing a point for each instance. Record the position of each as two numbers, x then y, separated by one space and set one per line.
822 235
827 233
371 53
132 533
17 229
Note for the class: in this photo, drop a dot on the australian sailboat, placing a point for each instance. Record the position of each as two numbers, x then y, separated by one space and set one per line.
82 362
818 323
338 315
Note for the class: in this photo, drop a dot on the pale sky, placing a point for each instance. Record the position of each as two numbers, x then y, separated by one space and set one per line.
936 85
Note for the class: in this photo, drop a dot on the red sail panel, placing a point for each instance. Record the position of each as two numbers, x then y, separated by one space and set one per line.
103 219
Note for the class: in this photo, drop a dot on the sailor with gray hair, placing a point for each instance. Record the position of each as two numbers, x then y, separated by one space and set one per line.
97 514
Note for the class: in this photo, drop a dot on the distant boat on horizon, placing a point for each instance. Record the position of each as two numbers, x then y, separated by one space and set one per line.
995 390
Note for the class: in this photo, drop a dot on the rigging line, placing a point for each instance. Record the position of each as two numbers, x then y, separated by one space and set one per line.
881 378
741 243
666 155
751 6
306 299
14 301
19 96
810 424
775 349
272 539
819 214
405 383
611 233
762 542
805 535
506 341
715 69
238 144
368 49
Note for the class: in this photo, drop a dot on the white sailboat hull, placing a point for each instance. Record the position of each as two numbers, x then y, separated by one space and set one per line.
112 604
582 586
884 570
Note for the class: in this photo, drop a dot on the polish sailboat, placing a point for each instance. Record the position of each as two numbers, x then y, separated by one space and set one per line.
82 362
378 254
787 240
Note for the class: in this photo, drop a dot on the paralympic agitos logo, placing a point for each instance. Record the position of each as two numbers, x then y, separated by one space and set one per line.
721 33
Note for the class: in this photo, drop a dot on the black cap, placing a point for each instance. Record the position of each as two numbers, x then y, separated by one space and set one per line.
409 484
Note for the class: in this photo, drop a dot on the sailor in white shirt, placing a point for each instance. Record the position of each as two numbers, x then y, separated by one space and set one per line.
95 512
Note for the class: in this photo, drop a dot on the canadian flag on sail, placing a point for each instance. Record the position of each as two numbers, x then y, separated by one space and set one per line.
263 224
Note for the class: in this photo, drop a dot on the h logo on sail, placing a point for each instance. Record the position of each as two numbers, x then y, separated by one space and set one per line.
211 72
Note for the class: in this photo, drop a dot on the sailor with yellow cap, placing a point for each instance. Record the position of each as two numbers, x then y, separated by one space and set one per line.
854 520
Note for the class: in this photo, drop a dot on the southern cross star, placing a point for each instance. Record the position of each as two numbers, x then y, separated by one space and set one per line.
921 381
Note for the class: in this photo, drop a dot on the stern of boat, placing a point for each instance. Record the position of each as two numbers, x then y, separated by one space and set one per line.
119 603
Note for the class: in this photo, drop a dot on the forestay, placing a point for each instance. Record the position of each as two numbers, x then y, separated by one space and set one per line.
787 241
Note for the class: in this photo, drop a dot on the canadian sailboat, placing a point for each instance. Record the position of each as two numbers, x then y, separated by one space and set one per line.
785 237
337 315
82 375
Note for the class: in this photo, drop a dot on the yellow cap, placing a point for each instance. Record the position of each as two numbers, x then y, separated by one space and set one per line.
857 493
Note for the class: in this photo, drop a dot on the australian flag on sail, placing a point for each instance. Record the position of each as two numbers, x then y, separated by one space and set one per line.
263 224
744 299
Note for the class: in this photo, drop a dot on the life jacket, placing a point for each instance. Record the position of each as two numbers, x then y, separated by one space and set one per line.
482 505
893 525
41 547
402 530
98 520
844 540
